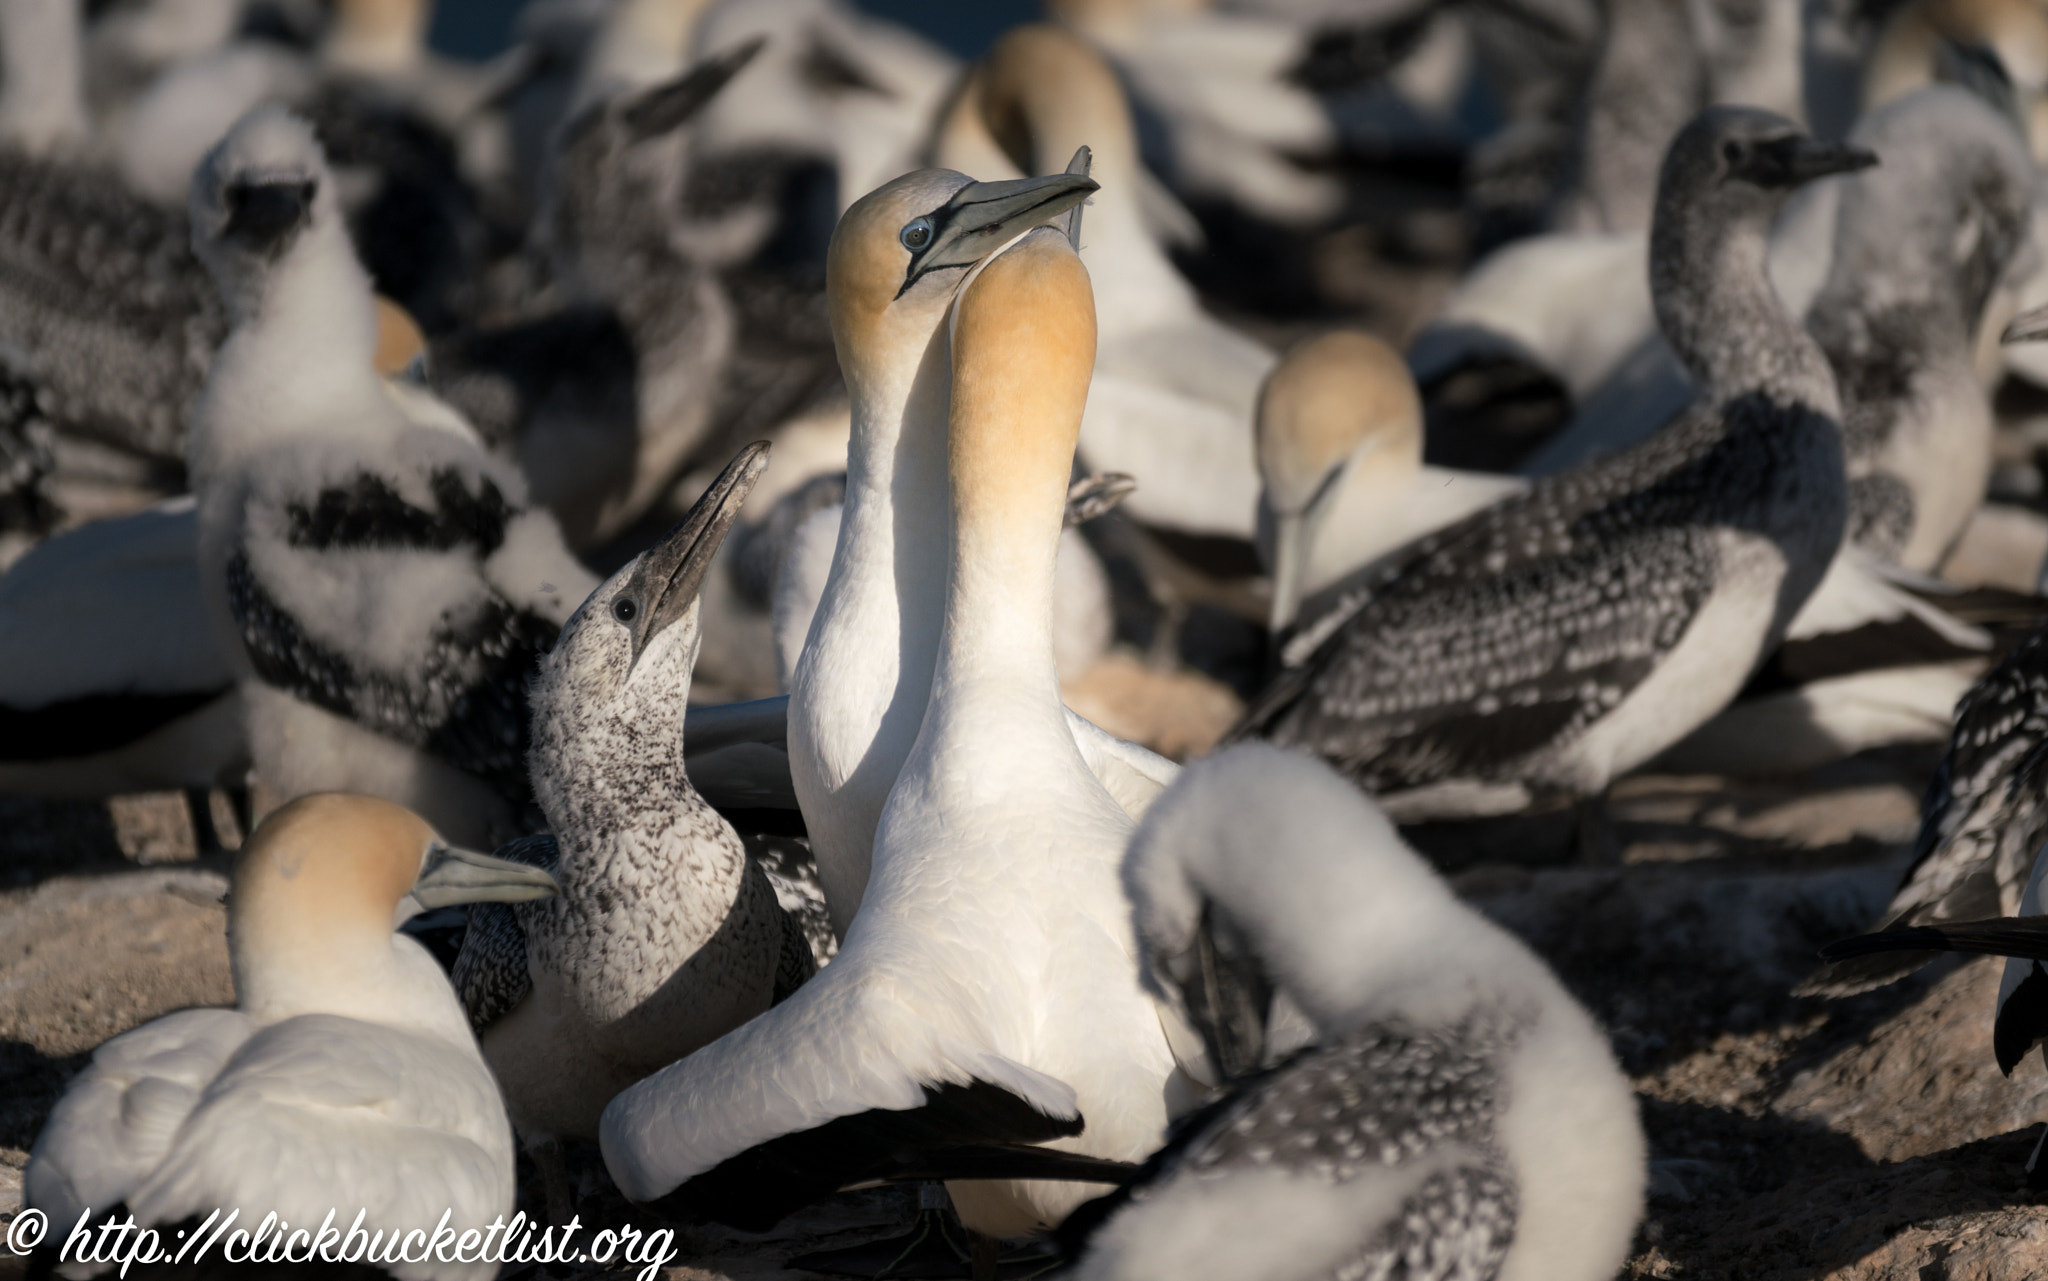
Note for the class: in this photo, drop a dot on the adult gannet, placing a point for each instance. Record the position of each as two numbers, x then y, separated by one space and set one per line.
1174 391
1340 455
345 1078
991 956
378 578
1556 640
1457 1105
860 688
665 935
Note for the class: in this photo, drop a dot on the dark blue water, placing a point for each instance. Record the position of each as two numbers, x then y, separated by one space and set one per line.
477 29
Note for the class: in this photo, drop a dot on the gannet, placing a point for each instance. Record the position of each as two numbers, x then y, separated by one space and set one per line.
991 956
665 935
1558 639
603 394
1457 1106
345 1077
1922 245
1174 391
378 578
860 688
1340 458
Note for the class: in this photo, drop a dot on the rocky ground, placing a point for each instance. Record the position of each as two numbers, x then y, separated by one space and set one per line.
1868 1140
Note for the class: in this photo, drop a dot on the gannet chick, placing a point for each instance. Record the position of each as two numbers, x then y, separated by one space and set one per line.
1922 244
991 957
897 260
1556 640
1458 1106
377 577
344 1078
665 935
1174 391
1340 455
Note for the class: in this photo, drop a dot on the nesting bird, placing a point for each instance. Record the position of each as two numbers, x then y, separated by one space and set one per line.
987 988
665 934
345 1077
1558 639
379 578
1458 1113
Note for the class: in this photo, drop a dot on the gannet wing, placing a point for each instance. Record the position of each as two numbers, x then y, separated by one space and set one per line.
321 1112
1133 776
490 972
120 1116
1858 591
380 607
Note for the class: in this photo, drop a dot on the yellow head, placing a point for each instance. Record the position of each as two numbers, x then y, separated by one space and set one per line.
1335 397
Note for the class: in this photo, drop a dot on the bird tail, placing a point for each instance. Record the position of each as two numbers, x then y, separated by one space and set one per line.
2020 936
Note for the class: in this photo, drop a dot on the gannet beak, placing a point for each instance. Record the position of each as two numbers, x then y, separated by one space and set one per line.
1290 547
982 217
1788 162
674 568
262 215
454 875
2027 326
1231 998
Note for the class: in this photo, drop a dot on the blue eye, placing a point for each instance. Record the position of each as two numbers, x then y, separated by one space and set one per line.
917 234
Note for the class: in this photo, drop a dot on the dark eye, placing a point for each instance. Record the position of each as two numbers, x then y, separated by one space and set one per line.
624 609
918 234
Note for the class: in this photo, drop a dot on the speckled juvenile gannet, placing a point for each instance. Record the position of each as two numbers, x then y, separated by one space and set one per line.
1556 640
992 956
1921 247
665 935
1458 1105
1175 389
344 1078
859 693
1340 455
378 578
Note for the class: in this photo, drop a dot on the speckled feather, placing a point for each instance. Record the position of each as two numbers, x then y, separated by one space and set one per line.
490 973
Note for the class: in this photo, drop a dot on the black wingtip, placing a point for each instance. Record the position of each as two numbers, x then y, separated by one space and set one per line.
2016 936
1913 938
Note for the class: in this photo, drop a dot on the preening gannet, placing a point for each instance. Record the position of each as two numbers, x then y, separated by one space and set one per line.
1457 1107
344 1078
378 578
1558 639
860 688
1340 455
1174 391
991 961
665 935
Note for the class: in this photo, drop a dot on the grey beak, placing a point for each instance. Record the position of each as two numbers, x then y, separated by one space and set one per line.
454 875
1228 996
262 214
984 216
673 570
1788 162
2027 326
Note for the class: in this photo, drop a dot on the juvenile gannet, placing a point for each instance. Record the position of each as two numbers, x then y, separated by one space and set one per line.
991 956
378 578
603 395
859 692
1175 389
1556 640
1457 1106
1340 455
1921 247
345 1078
665 935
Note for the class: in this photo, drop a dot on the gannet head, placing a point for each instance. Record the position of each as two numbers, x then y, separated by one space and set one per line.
900 253
619 673
1263 871
322 882
263 189
1340 409
1737 164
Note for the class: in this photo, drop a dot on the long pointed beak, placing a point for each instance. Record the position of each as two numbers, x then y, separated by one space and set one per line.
1290 551
454 875
1788 162
674 568
1234 996
667 106
982 217
2027 326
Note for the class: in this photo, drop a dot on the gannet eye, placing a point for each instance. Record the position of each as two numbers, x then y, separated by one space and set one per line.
625 608
917 234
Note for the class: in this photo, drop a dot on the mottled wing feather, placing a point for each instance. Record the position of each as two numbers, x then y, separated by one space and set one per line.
1456 1227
